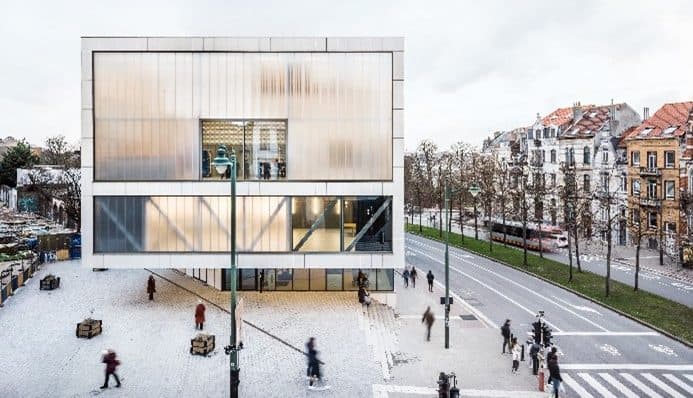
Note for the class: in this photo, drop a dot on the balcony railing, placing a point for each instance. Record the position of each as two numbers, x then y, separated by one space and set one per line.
650 202
650 171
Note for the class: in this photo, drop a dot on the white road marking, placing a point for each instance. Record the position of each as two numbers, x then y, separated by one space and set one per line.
626 366
618 385
689 377
378 389
534 293
679 383
608 348
575 386
662 385
606 334
471 309
492 289
663 349
595 384
647 390
578 307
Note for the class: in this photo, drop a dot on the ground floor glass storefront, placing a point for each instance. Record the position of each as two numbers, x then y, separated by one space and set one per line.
315 279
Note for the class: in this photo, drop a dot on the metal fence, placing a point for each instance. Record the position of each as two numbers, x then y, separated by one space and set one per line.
15 275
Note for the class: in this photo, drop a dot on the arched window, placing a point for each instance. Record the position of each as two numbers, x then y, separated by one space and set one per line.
586 155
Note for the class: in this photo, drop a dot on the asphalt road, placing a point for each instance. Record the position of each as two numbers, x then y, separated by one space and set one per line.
603 353
657 283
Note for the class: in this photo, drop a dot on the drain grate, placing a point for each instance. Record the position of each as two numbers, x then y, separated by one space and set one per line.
468 317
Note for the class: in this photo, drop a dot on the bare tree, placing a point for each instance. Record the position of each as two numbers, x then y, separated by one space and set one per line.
461 154
567 195
637 228
520 185
487 174
606 198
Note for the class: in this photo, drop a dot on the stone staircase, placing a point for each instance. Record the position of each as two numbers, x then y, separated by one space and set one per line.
380 327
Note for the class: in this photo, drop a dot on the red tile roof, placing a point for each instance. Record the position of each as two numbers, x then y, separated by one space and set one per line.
593 120
670 118
561 116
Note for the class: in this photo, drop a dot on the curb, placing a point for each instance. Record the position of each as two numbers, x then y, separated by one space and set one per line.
616 310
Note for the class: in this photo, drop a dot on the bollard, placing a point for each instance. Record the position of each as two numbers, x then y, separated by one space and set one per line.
541 380
522 353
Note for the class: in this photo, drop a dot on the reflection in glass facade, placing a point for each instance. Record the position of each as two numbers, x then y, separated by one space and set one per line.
148 108
314 279
263 224
260 147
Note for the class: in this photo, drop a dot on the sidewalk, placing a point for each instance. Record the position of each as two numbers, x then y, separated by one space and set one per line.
474 353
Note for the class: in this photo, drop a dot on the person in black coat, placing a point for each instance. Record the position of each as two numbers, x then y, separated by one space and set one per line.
552 354
505 332
151 287
430 278
534 354
555 375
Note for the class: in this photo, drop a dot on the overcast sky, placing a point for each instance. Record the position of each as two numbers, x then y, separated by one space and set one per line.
470 67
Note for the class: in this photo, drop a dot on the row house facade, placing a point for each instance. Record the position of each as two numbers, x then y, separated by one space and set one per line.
660 172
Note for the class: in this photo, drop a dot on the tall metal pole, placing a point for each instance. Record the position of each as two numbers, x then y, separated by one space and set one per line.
447 269
235 369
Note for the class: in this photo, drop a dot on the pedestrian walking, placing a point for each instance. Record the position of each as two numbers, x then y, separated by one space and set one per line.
555 375
515 350
430 278
151 287
413 275
552 354
314 374
405 275
262 280
362 280
534 354
364 298
109 358
505 332
200 315
428 318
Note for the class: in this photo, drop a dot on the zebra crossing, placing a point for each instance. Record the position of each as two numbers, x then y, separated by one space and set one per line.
614 384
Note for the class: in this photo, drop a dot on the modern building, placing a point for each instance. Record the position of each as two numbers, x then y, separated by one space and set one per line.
659 154
317 128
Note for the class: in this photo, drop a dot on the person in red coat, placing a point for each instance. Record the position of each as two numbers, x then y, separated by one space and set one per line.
109 358
199 315
151 287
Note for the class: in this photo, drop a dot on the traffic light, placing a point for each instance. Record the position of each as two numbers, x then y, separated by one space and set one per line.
537 331
546 334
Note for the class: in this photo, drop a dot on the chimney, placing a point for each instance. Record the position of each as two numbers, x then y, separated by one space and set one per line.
645 113
577 112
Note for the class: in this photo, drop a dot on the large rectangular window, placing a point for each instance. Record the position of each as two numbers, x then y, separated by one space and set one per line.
259 146
182 224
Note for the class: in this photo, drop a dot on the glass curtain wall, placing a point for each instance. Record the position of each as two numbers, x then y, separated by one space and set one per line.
264 224
314 279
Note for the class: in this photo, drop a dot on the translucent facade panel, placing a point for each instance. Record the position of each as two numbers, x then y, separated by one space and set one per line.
385 279
351 278
334 279
315 223
147 108
317 279
190 224
145 127
284 279
246 279
301 279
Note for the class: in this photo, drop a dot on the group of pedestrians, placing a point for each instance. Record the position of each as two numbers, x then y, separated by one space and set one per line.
535 350
408 274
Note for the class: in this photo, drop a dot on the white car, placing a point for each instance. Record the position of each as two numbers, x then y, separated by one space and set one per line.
562 241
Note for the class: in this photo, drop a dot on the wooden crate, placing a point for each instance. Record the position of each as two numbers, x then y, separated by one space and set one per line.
49 282
89 328
202 344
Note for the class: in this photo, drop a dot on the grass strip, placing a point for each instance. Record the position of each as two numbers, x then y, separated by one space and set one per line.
670 316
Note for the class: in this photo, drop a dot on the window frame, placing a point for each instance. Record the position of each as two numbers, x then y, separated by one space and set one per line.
668 165
633 156
672 184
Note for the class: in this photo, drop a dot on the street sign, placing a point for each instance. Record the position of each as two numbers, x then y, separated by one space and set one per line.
474 190
442 300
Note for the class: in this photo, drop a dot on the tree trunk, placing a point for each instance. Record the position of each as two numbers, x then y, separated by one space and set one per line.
608 247
637 266
476 226
570 260
661 240
440 222
461 220
503 215
490 239
541 249
420 213
577 248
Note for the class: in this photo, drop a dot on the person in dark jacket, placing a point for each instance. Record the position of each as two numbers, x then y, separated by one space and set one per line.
313 363
428 318
555 375
109 358
405 276
413 275
151 287
505 332
430 278
552 354
534 354
262 280
200 315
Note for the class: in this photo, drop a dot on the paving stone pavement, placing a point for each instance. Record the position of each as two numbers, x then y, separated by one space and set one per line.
363 349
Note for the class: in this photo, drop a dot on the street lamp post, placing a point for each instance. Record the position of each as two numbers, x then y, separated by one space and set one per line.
224 163
474 190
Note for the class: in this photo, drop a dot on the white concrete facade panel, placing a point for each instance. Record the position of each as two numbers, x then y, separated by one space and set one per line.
398 65
397 94
310 44
398 123
175 44
250 44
